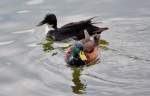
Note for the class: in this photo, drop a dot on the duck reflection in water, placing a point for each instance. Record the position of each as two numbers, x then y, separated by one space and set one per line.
78 87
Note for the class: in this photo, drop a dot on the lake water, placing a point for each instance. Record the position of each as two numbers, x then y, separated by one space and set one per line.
27 70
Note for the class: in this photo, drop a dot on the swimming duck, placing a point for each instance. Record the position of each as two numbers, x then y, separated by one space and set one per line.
73 29
83 51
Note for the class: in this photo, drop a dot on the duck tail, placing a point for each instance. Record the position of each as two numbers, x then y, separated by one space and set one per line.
90 19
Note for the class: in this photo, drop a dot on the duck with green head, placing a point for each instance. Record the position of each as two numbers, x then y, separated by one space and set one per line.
83 51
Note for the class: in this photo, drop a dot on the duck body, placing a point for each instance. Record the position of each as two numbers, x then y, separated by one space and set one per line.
84 51
72 55
62 33
71 30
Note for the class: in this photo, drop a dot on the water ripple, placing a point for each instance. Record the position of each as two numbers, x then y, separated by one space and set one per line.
34 2
23 11
24 31
6 42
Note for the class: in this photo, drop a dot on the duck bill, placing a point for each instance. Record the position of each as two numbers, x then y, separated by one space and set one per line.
41 23
82 56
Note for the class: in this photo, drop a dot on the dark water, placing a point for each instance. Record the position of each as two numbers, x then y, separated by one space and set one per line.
26 70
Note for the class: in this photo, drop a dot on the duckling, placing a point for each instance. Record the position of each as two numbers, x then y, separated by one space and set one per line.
71 30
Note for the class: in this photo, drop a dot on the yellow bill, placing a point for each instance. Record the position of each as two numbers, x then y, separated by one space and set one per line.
82 56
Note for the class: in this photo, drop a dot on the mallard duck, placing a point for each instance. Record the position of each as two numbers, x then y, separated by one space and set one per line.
83 51
71 30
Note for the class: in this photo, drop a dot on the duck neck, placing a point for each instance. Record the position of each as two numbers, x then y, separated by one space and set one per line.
55 27
47 28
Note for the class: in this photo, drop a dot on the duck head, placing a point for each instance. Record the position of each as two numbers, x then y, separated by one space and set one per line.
49 19
87 42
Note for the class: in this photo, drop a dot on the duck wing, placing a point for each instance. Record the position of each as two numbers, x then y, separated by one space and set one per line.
80 24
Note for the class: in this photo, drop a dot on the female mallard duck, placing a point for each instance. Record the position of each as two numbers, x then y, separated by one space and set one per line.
73 29
84 51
